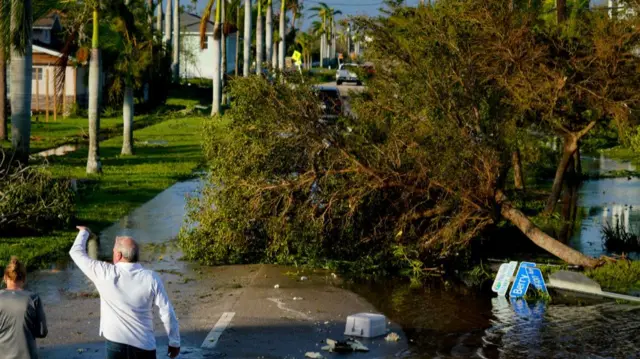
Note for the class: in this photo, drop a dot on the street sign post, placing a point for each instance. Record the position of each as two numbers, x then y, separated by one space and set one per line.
537 279
503 278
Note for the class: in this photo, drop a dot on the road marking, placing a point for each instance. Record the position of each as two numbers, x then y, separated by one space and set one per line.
283 307
212 339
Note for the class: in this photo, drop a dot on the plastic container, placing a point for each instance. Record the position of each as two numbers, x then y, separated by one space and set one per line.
366 325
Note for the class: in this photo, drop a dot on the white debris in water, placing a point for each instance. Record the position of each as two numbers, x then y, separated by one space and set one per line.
297 298
334 276
277 286
303 278
392 337
313 355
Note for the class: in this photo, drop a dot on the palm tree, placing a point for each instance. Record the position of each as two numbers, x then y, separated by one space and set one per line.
317 29
269 31
238 9
3 75
175 65
322 12
93 161
223 47
283 31
295 6
259 38
21 64
159 16
332 24
247 38
204 24
168 20
305 40
274 54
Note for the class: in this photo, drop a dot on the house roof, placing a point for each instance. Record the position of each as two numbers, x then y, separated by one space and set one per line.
191 23
47 22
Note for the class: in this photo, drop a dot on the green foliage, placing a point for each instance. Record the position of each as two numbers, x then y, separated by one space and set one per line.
634 140
621 276
31 201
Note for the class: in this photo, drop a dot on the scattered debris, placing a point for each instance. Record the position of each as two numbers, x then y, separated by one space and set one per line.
276 286
303 278
297 298
392 337
81 350
334 276
349 345
326 323
313 355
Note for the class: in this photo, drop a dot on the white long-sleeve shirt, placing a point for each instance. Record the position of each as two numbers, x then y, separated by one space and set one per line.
127 295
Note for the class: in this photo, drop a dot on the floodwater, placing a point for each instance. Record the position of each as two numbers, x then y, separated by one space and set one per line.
606 200
449 321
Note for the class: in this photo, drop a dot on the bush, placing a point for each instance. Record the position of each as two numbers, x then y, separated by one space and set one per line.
31 201
634 140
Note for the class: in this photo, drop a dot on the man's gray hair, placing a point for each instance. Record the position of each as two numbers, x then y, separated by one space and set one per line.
128 247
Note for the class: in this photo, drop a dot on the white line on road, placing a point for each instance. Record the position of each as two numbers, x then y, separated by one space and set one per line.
212 339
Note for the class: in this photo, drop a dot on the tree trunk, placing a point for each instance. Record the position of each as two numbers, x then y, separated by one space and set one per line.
561 8
3 91
93 160
517 170
247 38
159 17
215 108
21 66
577 162
175 66
259 38
238 36
127 120
570 145
540 238
282 46
268 41
223 50
150 15
168 20
274 56
322 51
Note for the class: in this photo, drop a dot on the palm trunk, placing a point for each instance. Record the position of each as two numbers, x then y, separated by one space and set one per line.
282 46
274 56
150 15
561 8
159 17
269 32
168 20
3 90
259 38
21 65
247 38
93 160
540 238
223 49
215 108
127 119
175 66
238 36
322 51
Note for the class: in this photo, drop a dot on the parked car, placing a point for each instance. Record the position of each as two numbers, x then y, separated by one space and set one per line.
347 73
331 101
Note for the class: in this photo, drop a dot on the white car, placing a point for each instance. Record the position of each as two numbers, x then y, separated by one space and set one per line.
346 74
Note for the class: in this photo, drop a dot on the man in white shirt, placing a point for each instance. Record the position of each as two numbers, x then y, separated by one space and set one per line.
127 295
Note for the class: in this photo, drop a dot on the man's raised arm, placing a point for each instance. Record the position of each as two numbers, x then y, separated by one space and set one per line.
94 269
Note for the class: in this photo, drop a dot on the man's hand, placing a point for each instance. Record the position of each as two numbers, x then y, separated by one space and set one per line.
83 228
173 352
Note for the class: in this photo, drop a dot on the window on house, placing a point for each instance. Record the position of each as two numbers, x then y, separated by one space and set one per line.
206 44
36 73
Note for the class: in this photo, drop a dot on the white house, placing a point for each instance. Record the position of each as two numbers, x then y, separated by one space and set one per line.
197 63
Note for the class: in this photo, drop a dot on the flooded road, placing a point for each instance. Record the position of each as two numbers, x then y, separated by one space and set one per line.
449 321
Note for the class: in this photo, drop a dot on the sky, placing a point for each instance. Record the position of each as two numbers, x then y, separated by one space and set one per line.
348 7
352 7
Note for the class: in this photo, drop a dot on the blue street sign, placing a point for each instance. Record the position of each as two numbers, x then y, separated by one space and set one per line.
536 278
521 284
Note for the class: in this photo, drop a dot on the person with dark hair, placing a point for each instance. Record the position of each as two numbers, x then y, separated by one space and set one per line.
22 318
128 293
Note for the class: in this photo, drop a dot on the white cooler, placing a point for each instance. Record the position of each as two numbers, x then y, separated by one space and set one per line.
366 325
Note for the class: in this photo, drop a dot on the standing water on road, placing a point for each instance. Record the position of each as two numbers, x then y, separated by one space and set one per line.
154 223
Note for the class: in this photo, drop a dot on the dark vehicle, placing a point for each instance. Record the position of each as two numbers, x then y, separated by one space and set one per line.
331 101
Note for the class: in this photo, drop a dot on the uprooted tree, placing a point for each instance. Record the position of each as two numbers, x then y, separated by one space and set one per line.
422 170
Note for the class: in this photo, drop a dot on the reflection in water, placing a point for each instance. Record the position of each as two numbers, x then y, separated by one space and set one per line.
444 321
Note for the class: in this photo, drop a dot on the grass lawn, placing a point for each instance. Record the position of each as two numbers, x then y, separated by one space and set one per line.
126 183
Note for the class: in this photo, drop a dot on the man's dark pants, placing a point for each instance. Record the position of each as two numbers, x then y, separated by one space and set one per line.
123 351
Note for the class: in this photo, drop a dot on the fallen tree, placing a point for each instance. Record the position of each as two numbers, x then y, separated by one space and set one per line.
419 174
